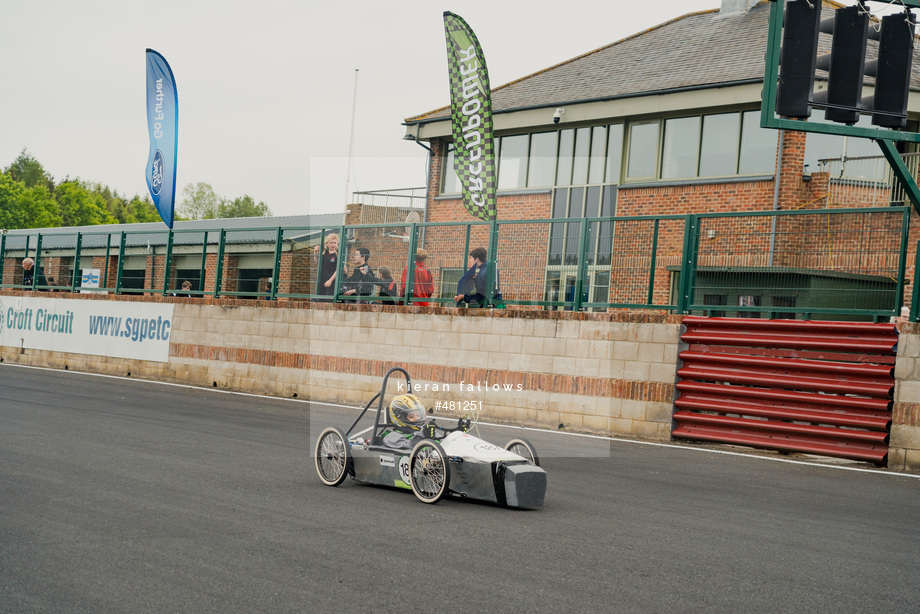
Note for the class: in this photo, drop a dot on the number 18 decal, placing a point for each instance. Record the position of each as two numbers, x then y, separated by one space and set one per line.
404 469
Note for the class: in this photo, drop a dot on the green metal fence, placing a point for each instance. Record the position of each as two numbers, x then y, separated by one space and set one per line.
832 264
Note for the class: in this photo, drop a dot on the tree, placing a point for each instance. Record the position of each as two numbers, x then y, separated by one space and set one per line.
81 207
30 172
143 210
200 202
138 210
244 206
26 207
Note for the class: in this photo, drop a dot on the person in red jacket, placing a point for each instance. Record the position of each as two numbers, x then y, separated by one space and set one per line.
422 286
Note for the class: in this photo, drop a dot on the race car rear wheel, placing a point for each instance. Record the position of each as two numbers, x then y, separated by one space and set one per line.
429 474
331 456
524 448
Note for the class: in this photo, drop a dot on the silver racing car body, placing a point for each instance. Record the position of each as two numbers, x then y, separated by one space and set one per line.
442 461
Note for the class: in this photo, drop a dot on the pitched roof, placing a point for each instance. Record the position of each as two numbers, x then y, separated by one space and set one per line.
696 51
242 230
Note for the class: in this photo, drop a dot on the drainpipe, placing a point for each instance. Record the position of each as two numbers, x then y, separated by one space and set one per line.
779 166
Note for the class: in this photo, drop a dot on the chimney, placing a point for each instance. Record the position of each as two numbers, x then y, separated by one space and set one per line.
736 7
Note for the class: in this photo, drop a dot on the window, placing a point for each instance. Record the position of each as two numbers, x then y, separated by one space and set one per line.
719 149
719 145
248 279
512 164
451 180
190 275
542 169
681 147
598 157
566 146
614 150
643 151
580 159
133 279
758 146
827 146
449 279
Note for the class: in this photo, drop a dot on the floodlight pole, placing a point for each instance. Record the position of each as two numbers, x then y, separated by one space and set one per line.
884 138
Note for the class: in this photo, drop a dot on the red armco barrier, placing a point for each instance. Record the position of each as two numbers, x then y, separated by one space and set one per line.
789 385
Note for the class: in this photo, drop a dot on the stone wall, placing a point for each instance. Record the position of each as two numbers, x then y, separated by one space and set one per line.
610 374
904 451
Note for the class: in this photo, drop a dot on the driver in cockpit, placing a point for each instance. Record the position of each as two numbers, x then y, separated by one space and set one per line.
407 417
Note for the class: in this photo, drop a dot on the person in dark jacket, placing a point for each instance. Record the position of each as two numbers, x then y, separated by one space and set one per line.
328 267
471 289
362 281
387 287
31 275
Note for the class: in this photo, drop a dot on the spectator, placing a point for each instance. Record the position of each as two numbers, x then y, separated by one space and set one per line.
328 267
422 286
186 289
471 289
32 276
387 286
362 281
265 287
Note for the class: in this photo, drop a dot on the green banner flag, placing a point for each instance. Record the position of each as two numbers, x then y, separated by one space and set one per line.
471 118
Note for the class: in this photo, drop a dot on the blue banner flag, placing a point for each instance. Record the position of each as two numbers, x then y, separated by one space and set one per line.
163 125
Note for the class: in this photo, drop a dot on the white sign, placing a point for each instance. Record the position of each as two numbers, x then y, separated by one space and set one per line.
90 279
100 328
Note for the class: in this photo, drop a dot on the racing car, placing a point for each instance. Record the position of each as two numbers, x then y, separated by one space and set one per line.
443 461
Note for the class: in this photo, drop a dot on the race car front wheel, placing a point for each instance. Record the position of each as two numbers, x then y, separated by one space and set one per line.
331 456
524 448
429 474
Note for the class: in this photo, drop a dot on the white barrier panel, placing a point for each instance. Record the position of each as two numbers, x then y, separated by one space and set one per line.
100 328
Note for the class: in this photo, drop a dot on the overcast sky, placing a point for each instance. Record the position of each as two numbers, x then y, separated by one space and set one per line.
265 88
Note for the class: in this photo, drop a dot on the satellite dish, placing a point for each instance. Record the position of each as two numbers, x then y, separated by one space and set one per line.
414 217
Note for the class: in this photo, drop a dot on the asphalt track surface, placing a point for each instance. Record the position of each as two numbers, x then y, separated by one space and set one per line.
119 495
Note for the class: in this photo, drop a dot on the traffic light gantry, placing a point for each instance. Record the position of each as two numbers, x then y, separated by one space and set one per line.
846 66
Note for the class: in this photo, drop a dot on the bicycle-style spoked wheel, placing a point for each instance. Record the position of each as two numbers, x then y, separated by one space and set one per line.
331 457
524 448
429 473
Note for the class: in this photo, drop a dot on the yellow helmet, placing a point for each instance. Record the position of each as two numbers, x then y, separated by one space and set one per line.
403 407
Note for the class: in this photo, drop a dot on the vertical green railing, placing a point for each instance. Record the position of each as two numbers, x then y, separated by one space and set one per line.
815 263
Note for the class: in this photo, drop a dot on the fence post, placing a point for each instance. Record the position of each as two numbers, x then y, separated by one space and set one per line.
2 256
651 272
121 262
219 269
167 263
108 253
75 275
38 256
581 275
688 262
276 270
410 265
340 264
204 263
492 270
